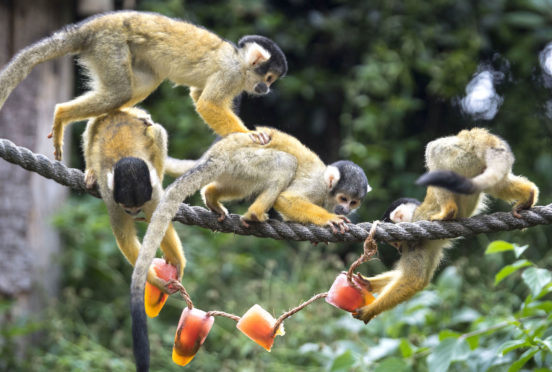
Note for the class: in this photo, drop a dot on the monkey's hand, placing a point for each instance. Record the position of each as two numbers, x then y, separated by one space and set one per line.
260 137
338 223
161 284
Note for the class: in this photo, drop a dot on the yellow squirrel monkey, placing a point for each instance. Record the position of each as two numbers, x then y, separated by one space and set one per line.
283 174
125 155
127 54
462 169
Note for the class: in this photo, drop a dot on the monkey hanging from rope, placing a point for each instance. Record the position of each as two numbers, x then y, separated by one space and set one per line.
461 170
125 154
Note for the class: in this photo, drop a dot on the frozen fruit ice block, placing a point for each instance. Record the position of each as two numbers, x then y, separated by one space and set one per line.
154 298
193 328
258 325
347 297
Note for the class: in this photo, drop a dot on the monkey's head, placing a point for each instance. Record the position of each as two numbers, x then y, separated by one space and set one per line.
348 185
401 210
132 184
265 63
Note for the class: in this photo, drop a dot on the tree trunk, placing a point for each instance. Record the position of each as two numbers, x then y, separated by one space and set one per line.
29 245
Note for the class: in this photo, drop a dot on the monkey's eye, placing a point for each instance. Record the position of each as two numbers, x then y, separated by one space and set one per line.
343 199
353 203
269 78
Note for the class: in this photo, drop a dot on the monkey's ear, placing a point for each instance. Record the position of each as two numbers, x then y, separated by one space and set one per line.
110 181
368 188
256 54
331 176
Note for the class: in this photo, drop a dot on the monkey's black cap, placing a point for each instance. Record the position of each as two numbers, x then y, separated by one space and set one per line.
131 182
277 62
353 180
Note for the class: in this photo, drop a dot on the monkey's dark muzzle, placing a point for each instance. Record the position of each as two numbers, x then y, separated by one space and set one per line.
261 88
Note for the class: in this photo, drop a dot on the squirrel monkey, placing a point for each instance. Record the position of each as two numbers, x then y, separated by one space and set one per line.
283 174
125 154
127 54
469 165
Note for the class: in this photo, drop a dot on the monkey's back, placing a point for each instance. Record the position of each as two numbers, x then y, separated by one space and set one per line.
309 165
464 153
119 135
167 46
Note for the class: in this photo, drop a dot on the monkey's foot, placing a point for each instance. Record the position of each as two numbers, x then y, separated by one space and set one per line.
259 137
252 217
218 209
447 213
527 204
338 223
58 145
363 314
90 178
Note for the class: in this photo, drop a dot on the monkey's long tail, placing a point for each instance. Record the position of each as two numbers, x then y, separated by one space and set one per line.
201 174
177 167
449 180
61 43
498 162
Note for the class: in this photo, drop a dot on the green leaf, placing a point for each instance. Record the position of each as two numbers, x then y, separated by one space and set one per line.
473 342
536 279
520 249
510 269
544 305
392 364
406 348
499 246
343 363
440 358
548 343
516 366
508 346
447 351
447 333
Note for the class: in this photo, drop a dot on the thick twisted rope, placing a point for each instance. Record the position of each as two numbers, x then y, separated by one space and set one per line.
193 215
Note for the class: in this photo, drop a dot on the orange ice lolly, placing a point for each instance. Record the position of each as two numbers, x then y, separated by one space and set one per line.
344 296
193 328
154 298
258 325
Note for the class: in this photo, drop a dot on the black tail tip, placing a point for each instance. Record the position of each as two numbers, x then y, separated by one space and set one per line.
449 180
140 342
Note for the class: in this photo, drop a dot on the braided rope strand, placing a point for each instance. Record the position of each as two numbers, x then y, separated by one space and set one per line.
194 215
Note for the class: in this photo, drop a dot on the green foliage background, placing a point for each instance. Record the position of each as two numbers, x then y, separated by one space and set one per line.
369 81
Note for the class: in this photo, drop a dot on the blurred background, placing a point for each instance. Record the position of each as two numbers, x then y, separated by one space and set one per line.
369 81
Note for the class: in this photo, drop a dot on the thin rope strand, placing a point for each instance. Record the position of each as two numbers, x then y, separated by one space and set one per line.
223 314
295 310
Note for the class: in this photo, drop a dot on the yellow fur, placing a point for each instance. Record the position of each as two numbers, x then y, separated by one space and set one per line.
127 54
129 133
477 154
